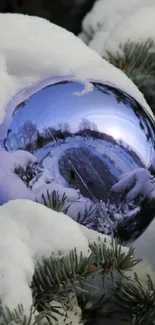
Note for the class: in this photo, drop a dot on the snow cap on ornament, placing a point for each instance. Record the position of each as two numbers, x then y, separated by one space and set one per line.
75 130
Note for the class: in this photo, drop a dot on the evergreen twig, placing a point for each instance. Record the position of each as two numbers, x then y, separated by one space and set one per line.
55 202
55 278
18 317
112 258
53 273
137 60
135 301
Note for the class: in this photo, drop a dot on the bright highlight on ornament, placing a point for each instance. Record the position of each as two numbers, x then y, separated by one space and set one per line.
116 133
74 150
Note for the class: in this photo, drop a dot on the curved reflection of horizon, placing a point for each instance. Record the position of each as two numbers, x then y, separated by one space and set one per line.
61 106
82 143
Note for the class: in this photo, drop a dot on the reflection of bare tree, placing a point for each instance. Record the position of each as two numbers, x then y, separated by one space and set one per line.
28 133
61 131
29 138
90 129
64 127
25 138
86 124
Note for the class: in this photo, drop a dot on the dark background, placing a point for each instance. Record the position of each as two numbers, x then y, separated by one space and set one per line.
66 13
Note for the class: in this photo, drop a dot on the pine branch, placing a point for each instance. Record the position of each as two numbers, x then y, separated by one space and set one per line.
135 301
87 217
56 277
18 317
50 314
55 202
112 258
54 274
137 60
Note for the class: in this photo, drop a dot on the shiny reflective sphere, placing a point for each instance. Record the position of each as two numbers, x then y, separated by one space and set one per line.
93 154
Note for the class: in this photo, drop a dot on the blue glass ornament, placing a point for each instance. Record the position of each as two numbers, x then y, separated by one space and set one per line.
93 154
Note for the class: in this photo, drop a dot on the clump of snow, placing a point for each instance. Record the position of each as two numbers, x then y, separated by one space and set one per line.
38 221
133 29
11 185
137 182
29 231
22 158
94 236
19 158
27 56
111 23
106 14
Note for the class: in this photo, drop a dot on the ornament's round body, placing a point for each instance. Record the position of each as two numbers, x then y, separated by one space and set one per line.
91 153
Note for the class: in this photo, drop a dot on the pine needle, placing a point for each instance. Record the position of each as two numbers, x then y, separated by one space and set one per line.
135 301
55 202
137 60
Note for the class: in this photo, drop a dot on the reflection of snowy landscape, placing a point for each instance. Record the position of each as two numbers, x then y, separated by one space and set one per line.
79 146
97 161
85 169
98 164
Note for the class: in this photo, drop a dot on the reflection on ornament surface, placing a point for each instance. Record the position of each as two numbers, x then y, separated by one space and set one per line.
94 151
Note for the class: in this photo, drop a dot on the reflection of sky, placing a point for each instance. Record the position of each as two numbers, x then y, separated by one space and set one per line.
57 104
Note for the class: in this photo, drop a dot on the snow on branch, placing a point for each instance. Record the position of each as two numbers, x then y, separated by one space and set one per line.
30 232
